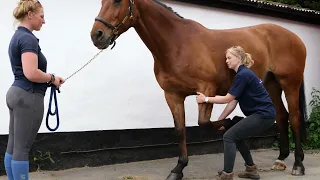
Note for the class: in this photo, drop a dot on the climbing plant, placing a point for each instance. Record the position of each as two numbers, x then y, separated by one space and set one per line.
313 124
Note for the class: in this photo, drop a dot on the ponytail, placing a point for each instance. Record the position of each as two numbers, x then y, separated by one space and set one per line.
247 60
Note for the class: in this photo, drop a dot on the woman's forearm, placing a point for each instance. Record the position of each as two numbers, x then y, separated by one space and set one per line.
39 77
228 109
218 100
221 99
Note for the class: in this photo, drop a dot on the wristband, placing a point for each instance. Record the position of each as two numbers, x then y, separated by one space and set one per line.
206 99
52 78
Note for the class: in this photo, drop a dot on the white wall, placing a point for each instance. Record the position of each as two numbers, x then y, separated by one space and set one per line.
127 95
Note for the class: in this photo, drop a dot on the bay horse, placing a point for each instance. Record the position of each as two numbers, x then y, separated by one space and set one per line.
189 57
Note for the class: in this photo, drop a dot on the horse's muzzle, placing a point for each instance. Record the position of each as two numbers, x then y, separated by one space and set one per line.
100 40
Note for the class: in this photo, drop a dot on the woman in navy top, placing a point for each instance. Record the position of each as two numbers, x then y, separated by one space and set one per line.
26 94
256 105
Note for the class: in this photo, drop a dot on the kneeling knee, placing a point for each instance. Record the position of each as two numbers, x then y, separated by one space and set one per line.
229 136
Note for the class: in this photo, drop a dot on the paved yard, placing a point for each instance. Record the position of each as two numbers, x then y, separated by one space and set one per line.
203 167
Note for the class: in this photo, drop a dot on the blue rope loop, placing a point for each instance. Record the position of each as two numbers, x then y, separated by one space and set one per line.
56 111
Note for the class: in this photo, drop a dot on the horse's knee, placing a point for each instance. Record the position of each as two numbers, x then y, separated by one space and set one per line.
180 132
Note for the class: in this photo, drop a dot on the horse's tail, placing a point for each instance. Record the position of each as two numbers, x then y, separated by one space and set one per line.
303 113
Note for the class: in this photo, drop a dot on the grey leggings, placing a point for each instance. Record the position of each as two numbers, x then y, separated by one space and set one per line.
26 113
235 137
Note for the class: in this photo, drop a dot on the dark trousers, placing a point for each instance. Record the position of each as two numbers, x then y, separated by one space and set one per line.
234 139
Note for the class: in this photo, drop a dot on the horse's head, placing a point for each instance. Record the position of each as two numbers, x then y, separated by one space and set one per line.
114 18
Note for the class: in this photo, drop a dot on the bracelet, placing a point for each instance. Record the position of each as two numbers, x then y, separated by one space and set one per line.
52 78
206 99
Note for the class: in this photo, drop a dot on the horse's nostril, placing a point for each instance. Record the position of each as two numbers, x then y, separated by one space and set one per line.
99 34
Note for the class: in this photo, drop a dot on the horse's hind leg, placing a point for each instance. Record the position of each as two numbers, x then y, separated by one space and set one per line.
275 91
176 105
291 87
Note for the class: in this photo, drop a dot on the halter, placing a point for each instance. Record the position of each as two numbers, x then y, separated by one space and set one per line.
115 30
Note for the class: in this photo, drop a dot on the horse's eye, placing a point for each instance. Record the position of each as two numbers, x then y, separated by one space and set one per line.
117 1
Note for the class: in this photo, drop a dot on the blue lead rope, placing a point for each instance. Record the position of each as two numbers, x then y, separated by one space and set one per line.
56 112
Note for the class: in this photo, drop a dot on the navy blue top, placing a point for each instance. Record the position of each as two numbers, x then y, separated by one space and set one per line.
251 94
23 41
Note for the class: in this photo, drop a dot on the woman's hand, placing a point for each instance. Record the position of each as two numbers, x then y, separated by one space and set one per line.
200 98
58 81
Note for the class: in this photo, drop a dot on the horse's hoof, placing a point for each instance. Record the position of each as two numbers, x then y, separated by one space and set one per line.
298 171
279 165
175 176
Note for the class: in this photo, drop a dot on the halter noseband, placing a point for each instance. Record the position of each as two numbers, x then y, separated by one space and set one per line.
115 30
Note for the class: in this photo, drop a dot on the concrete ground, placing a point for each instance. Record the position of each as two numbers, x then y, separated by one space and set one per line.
202 167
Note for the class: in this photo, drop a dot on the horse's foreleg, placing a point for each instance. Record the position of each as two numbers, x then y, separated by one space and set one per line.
205 111
176 105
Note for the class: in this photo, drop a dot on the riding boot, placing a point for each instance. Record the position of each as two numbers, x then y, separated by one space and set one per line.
251 172
224 176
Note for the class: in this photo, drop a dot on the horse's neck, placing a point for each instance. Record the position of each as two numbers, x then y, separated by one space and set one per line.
156 26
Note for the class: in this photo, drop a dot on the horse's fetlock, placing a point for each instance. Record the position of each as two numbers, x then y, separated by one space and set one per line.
183 160
283 155
203 123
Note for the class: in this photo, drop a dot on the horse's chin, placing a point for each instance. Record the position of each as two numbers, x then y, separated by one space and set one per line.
104 44
102 47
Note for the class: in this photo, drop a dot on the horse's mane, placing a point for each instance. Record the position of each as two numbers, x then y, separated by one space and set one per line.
169 8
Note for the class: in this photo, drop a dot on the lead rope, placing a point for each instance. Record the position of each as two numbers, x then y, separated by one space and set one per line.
54 95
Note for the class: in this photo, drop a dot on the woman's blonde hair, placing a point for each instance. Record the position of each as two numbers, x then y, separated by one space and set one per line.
238 51
24 6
